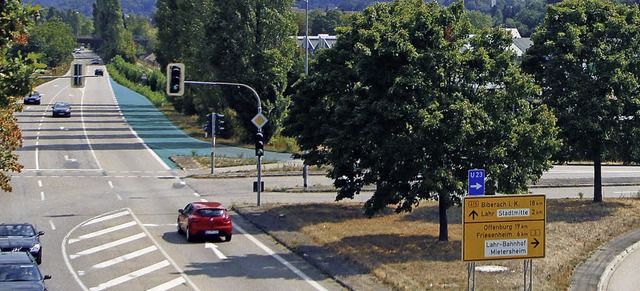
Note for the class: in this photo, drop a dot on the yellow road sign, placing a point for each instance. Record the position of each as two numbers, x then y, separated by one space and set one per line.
504 208
503 227
259 120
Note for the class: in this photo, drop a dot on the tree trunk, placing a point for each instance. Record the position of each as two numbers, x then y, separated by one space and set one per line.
597 177
443 201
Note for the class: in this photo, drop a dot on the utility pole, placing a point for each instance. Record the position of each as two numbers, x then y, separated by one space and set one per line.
306 39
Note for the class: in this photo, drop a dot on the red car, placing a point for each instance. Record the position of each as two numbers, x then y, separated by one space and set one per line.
204 219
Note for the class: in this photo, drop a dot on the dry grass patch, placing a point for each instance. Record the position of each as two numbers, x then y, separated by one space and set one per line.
403 249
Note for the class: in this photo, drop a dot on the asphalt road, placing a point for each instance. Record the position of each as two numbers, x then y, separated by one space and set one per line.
108 202
108 206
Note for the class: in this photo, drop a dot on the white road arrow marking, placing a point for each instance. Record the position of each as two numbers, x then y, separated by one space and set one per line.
66 157
215 250
476 186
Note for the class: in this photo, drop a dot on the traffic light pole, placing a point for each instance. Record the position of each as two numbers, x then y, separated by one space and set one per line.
259 164
213 145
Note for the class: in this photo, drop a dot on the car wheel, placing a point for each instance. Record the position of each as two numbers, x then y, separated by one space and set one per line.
188 235
39 258
227 237
180 231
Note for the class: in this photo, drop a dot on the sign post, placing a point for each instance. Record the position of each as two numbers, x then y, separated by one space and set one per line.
502 228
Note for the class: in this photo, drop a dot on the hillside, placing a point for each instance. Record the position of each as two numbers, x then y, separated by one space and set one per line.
148 7
140 7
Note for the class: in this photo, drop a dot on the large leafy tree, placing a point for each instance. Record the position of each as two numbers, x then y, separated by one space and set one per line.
15 71
54 39
232 41
408 102
80 24
585 57
109 28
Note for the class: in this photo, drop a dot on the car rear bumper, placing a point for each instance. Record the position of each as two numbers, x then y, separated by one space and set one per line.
212 231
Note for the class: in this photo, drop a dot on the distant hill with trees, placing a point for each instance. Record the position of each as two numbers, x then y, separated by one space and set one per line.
148 7
139 7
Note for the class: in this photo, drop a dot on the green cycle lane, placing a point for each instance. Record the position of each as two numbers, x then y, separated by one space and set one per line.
166 139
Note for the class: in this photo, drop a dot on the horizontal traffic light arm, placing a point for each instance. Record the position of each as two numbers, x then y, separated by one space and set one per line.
68 77
230 84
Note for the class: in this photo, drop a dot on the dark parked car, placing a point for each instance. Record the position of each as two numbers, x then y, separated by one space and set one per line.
99 72
204 219
19 271
21 237
32 98
61 109
95 62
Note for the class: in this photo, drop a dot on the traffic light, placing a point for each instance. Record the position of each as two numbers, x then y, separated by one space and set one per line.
77 79
207 125
175 79
259 139
218 123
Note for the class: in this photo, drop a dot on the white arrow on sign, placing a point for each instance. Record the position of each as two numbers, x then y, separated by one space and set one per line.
476 186
215 250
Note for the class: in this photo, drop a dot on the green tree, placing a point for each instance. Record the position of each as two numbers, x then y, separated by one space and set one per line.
181 38
80 24
109 28
478 19
15 72
585 57
326 23
255 40
399 102
233 41
54 39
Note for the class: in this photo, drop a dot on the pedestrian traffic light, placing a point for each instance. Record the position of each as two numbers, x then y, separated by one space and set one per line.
259 139
218 123
77 78
175 79
207 125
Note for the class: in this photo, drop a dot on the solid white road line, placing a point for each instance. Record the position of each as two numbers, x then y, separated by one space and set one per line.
125 257
131 276
86 135
169 285
107 217
108 245
103 231
280 259
37 159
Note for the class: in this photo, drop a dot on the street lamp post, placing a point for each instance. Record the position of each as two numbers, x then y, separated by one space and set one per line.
306 39
306 69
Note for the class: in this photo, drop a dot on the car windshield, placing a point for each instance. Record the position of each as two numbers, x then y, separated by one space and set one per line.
19 272
211 212
16 230
61 105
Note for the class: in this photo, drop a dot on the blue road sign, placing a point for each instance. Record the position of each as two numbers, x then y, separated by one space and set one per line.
476 182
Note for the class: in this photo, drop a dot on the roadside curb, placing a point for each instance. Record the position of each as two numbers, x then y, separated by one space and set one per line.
597 269
334 265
